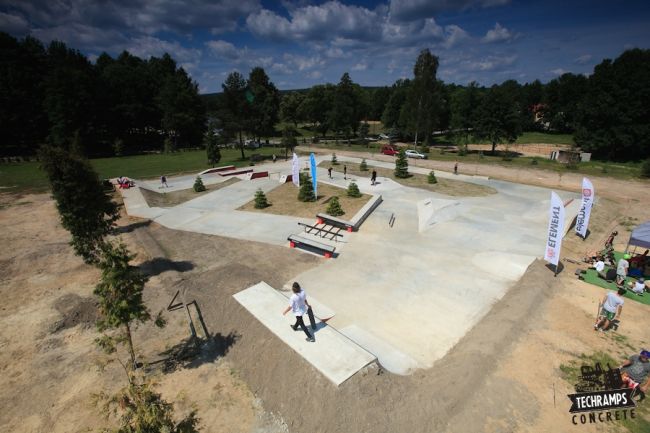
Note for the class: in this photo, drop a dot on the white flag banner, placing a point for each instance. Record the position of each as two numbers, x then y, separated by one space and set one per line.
555 230
295 170
588 194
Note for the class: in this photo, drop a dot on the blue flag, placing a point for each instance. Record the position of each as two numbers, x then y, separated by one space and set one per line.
312 160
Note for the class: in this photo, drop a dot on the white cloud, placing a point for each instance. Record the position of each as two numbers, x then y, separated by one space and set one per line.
558 71
361 66
303 63
13 24
147 46
497 34
281 68
223 49
408 10
314 75
454 35
489 63
584 59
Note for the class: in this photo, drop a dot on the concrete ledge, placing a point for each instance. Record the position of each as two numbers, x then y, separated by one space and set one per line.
334 355
365 211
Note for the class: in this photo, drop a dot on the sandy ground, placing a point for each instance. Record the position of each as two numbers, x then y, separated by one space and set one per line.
503 376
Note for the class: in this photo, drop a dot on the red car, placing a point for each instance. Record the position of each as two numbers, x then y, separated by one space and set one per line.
389 150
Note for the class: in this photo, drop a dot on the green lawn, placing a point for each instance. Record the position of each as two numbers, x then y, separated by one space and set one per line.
27 177
525 138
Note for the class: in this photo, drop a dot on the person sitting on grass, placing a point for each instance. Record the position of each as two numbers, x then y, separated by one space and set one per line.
612 307
599 266
637 369
638 287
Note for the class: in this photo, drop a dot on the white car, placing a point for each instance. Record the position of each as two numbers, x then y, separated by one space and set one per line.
415 154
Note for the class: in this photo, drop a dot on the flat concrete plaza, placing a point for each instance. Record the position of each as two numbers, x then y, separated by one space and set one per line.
406 293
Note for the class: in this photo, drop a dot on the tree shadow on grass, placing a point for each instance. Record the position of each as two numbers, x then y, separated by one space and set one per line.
132 227
158 265
192 352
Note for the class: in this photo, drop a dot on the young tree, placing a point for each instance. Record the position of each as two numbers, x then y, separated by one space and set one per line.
119 292
85 209
306 192
498 117
402 165
198 184
211 141
142 410
364 165
353 190
260 199
334 160
432 177
334 207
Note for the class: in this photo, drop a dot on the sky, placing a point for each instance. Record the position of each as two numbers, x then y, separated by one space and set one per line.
300 43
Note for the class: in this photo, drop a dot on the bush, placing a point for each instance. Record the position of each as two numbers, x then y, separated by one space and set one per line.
169 145
424 149
534 161
353 190
260 199
462 149
432 177
401 165
306 192
334 160
334 207
198 185
363 166
645 168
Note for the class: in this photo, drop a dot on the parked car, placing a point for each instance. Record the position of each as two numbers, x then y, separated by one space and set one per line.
389 150
415 154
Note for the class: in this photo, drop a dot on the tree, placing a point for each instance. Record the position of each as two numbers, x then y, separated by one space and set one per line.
346 110
498 117
402 165
364 165
353 190
645 168
119 292
334 207
317 106
306 192
260 199
463 105
562 100
198 184
364 128
334 160
264 101
235 110
85 209
613 120
142 410
422 108
378 100
431 178
391 115
290 108
289 141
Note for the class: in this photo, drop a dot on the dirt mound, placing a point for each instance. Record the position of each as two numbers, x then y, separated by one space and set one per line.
75 310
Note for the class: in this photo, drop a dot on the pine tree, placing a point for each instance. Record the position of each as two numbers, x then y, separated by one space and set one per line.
120 294
198 184
363 166
306 192
334 207
334 160
353 190
85 209
401 165
260 199
432 177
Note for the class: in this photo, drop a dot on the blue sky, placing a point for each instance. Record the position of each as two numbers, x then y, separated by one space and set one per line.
301 43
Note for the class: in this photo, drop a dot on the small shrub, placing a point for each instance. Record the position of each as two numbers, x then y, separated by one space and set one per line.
169 145
260 199
353 190
534 161
306 192
645 168
401 165
462 149
198 185
603 169
432 177
334 207
334 160
363 166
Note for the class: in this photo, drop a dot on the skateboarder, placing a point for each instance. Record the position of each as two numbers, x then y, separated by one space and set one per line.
329 172
298 305
163 181
345 172
373 177
456 168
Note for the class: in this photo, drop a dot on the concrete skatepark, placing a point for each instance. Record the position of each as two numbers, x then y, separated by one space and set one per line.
403 294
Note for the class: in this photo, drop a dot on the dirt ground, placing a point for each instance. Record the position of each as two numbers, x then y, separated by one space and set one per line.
283 202
503 376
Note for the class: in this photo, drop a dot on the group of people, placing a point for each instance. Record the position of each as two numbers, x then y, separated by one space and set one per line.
373 174
125 183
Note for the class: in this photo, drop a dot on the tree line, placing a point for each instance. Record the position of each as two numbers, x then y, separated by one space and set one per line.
113 106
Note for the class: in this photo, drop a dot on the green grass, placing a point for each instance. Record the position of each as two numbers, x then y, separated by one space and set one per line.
27 177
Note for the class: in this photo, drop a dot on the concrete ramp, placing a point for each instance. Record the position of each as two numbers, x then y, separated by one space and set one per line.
334 355
432 211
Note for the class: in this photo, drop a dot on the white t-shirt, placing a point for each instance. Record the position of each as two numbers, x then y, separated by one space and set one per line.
612 302
297 302
599 266
622 267
639 287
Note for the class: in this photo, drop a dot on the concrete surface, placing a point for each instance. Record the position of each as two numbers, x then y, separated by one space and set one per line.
334 355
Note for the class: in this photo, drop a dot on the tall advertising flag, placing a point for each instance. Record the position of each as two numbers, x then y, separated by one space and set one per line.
312 161
555 230
295 170
582 221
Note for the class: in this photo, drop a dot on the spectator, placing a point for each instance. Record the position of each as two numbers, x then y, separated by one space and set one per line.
621 269
610 240
599 266
639 287
612 307
637 368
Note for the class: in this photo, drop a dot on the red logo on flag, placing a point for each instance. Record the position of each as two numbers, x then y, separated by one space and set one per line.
550 252
586 192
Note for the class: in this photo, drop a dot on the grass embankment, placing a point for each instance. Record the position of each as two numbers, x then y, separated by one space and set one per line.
27 177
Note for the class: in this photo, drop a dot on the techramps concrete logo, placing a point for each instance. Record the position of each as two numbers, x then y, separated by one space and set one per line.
602 396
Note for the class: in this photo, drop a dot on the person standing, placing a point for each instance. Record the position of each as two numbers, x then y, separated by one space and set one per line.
612 307
456 167
274 158
298 305
163 181
609 243
373 177
345 172
329 172
621 269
